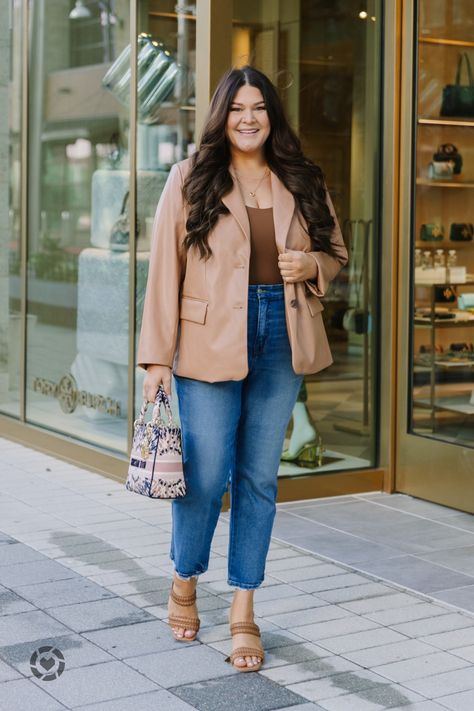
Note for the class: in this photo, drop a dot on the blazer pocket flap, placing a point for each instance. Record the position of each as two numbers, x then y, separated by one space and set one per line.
314 304
193 309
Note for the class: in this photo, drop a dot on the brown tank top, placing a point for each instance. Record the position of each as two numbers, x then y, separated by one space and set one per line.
264 253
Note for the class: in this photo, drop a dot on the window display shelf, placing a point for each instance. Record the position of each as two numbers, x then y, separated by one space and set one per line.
454 404
445 122
442 183
446 42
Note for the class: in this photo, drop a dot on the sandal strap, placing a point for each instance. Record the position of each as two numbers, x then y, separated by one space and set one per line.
243 627
245 652
189 623
184 600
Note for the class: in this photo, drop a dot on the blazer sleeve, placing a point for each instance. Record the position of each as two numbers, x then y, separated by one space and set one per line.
159 329
327 266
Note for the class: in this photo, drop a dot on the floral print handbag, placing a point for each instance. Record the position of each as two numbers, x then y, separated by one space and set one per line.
156 463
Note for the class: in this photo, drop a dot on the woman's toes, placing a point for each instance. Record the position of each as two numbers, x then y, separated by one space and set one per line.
240 662
189 633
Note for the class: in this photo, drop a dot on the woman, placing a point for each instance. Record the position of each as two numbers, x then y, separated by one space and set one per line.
245 241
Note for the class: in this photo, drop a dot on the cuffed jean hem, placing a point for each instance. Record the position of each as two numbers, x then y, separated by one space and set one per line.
186 577
244 586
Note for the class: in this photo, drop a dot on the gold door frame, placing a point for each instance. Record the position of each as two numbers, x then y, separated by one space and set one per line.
425 467
213 53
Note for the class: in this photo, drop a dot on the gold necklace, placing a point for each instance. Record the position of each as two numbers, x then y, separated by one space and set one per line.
252 194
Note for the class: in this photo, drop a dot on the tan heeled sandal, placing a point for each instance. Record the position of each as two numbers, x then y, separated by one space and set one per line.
250 628
186 623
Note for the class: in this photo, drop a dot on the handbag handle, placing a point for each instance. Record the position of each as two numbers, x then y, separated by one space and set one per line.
462 57
124 203
161 398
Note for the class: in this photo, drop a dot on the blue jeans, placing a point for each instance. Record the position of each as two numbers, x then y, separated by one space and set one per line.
234 430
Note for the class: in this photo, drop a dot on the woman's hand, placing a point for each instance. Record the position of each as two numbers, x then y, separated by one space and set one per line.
155 376
296 265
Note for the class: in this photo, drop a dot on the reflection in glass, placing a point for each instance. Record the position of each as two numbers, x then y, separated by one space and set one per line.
77 282
10 175
325 60
442 359
166 124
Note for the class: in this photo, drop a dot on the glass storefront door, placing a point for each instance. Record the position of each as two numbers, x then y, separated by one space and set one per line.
325 60
436 448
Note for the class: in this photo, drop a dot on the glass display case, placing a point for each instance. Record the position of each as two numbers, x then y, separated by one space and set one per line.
442 333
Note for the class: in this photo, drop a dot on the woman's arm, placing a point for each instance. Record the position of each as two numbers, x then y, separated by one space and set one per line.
160 319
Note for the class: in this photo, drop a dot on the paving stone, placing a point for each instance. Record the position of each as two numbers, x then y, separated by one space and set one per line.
98 614
18 553
337 684
308 616
150 701
310 572
287 604
383 602
332 628
293 654
77 652
463 701
132 640
310 669
373 698
432 625
11 603
360 640
420 706
355 592
384 654
334 582
7 673
449 640
13 576
421 666
464 652
63 592
398 615
251 692
29 626
23 694
461 597
186 664
298 561
443 684
97 682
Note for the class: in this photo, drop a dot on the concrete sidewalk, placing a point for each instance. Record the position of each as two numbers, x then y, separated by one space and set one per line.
84 569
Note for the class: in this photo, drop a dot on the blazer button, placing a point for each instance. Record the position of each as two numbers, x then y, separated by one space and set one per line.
293 303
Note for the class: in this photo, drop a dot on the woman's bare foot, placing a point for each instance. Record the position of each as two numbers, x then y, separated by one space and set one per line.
241 610
185 588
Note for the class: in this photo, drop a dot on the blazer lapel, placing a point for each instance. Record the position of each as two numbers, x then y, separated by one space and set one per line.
234 202
283 209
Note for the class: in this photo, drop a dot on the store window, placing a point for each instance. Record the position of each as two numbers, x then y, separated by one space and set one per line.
442 333
78 179
325 60
166 107
10 208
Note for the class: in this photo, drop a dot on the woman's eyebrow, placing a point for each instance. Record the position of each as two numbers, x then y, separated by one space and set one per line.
255 104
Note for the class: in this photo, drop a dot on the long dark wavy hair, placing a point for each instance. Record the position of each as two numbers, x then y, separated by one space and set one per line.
209 178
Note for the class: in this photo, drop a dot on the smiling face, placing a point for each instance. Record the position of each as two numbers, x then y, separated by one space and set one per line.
248 125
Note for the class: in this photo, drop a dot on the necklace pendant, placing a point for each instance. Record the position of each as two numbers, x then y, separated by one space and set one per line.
252 194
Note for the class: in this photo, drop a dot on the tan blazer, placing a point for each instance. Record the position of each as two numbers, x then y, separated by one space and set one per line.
195 311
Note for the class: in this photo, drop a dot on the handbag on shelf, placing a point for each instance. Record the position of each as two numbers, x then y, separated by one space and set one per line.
156 462
458 99
120 232
461 232
446 153
431 232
